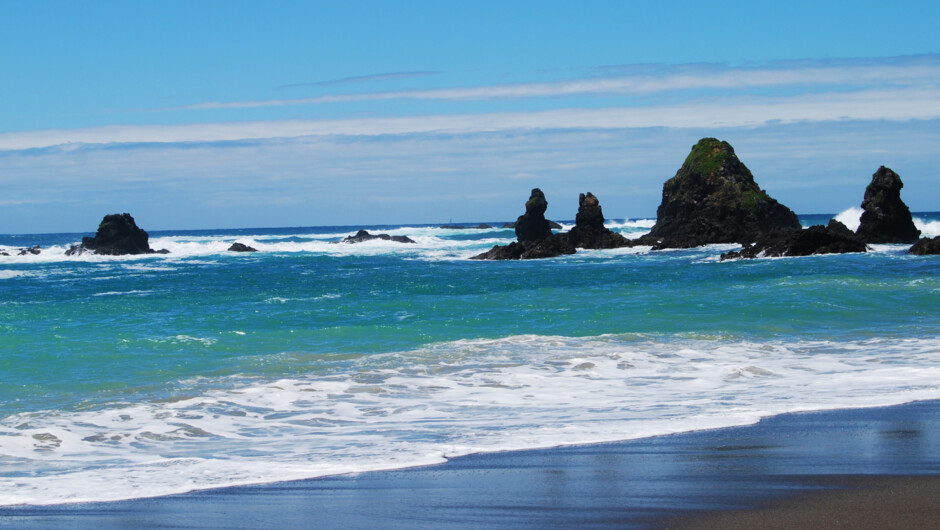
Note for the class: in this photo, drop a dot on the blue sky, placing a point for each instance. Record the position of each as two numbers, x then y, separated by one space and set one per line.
251 114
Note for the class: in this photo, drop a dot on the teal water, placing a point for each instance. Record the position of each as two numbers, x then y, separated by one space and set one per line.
204 368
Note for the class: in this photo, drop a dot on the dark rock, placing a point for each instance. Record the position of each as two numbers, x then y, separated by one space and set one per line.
838 228
552 224
713 199
885 217
117 235
76 250
833 239
589 230
534 234
532 225
363 236
241 247
35 251
926 246
550 247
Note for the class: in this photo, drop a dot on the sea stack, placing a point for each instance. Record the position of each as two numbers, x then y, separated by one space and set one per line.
118 235
532 225
885 217
589 230
713 198
534 235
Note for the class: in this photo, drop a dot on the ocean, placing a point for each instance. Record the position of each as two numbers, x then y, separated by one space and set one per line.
137 376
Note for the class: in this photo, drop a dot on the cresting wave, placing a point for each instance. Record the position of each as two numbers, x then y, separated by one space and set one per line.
432 243
420 407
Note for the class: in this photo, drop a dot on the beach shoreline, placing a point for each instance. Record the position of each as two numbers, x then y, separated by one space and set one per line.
679 480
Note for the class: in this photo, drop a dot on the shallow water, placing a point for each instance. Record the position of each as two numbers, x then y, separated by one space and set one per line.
125 377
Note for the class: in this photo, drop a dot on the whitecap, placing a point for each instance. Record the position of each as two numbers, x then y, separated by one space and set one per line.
928 229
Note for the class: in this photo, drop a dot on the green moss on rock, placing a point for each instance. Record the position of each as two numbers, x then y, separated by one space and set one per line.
708 156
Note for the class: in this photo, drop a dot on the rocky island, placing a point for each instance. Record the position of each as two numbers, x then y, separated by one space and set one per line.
117 235
713 198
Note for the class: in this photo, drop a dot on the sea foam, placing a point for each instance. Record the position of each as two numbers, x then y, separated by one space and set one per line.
423 406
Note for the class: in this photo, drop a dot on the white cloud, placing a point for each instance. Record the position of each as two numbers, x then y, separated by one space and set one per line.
812 75
892 104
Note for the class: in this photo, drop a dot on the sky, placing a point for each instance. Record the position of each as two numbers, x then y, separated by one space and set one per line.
236 114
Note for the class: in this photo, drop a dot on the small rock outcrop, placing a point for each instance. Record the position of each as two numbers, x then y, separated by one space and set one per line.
118 235
713 199
532 225
550 247
481 226
25 251
926 246
363 236
241 247
885 217
589 230
835 238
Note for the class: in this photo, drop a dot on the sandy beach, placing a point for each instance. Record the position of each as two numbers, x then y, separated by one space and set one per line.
875 467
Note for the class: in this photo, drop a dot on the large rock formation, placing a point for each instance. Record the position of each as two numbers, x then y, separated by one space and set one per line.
532 225
713 199
589 230
885 217
926 246
117 235
835 238
363 236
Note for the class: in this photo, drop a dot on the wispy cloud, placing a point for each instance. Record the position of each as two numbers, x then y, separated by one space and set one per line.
803 75
390 76
895 104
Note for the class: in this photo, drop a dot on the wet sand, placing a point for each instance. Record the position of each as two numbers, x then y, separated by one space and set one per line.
878 465
854 502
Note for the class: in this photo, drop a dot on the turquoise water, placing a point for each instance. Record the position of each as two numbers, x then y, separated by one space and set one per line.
137 376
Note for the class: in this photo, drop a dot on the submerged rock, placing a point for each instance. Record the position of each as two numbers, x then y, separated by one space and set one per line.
713 198
24 251
885 217
117 235
835 238
241 247
481 226
363 236
926 246
589 230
